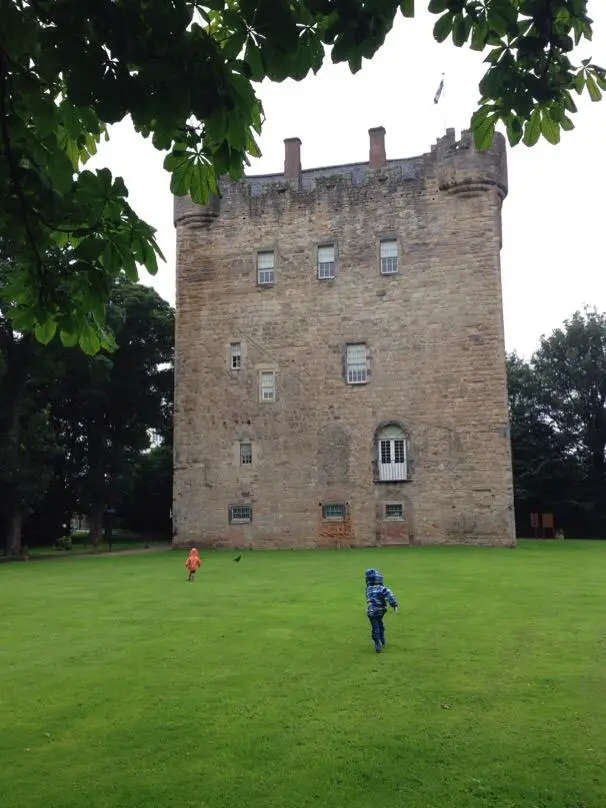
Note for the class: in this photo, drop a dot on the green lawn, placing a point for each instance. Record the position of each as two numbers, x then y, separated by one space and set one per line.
123 686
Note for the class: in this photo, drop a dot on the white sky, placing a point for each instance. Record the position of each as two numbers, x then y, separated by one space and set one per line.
553 251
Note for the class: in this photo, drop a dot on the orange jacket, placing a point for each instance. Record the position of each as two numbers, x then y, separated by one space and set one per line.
193 560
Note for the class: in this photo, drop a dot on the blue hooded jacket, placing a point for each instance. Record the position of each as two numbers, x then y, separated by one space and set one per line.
377 594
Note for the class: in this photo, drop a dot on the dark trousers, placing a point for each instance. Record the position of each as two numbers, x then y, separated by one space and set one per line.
377 630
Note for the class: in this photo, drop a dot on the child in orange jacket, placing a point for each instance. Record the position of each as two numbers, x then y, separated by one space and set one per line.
192 563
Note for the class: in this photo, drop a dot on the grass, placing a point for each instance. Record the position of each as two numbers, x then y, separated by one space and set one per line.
257 686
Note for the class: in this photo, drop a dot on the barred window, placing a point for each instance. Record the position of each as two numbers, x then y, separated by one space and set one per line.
357 366
236 356
240 514
333 511
394 510
326 262
266 273
246 454
389 257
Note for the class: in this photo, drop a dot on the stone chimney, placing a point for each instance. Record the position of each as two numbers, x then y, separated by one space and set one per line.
377 157
292 158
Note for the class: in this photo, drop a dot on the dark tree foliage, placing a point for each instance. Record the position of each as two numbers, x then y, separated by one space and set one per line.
186 72
557 404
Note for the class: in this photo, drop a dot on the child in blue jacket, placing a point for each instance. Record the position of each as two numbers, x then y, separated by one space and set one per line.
377 598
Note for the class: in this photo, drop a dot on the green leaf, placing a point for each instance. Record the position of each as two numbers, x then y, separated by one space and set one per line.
89 249
594 91
68 339
479 35
579 83
443 27
45 331
483 127
459 30
532 130
567 124
515 130
550 129
254 59
407 7
89 341
438 6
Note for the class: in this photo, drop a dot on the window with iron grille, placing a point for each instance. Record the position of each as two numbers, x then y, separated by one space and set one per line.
357 365
267 381
240 514
333 511
266 272
236 356
394 510
389 256
246 454
326 262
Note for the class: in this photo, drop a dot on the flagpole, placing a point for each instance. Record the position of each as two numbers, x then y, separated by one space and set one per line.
439 97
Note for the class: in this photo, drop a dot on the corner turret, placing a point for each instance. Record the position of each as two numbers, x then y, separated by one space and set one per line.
462 169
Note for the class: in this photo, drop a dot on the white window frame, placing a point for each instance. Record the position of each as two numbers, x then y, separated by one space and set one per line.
356 368
267 392
388 255
326 262
333 511
246 453
266 269
240 514
391 517
235 360
392 455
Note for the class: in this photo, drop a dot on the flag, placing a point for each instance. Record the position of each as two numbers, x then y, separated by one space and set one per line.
436 97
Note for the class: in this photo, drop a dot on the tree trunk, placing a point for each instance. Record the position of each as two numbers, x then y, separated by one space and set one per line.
13 533
97 486
96 523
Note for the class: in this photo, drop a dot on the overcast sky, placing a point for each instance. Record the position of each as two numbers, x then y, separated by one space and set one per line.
553 219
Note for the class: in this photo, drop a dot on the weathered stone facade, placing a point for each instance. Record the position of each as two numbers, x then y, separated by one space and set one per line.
433 382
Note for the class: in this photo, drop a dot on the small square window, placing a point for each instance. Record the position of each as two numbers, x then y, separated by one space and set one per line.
394 511
266 271
246 454
333 512
326 262
389 257
240 514
236 356
267 384
357 365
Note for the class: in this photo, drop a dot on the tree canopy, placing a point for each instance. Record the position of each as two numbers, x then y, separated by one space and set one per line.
557 405
75 430
186 73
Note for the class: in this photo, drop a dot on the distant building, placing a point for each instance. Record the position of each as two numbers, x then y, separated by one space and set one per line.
340 361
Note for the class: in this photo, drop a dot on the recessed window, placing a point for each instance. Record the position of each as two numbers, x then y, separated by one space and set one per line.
326 262
240 514
236 356
394 511
333 511
266 268
389 256
392 455
267 383
246 454
357 365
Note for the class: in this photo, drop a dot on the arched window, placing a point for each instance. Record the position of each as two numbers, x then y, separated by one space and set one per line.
392 454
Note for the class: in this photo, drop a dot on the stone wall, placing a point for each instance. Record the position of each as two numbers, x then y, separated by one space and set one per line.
436 357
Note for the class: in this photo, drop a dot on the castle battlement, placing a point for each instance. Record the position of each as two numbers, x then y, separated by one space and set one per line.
455 166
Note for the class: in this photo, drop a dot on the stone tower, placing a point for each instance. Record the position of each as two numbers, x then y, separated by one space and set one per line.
340 360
